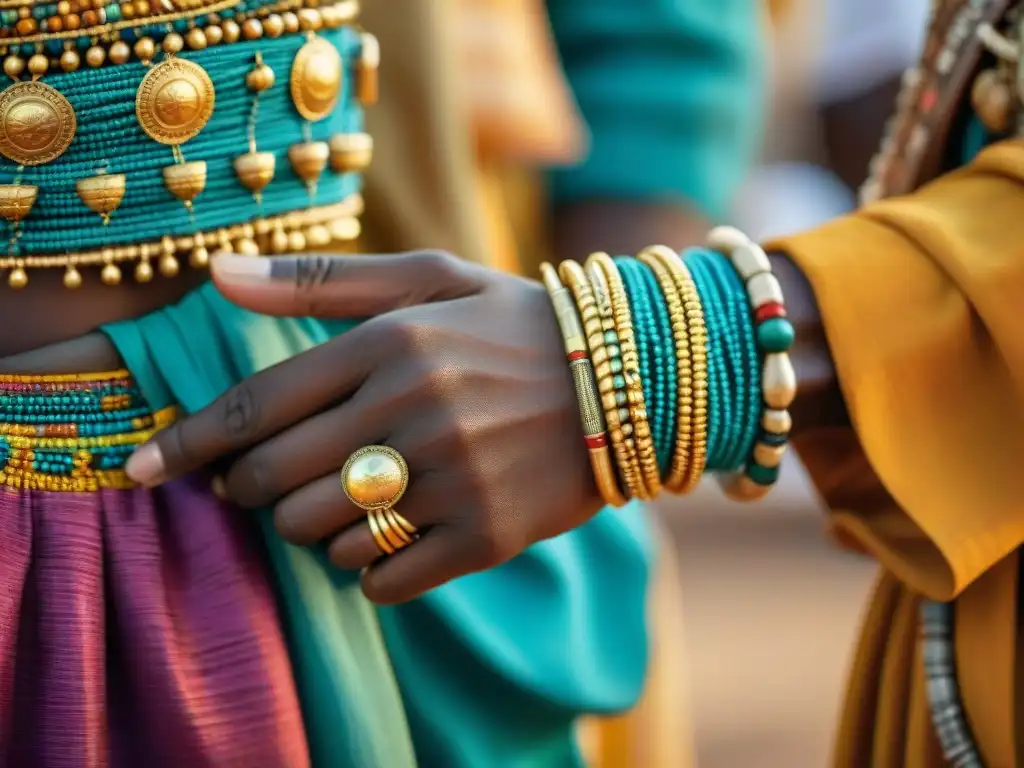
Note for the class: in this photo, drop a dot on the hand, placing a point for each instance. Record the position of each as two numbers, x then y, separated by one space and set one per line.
460 369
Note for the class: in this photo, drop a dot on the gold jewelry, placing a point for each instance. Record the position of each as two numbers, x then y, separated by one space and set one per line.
622 315
316 79
175 101
405 530
587 395
375 477
688 324
37 123
377 531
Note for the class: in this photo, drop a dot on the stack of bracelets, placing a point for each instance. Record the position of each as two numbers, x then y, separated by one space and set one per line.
681 366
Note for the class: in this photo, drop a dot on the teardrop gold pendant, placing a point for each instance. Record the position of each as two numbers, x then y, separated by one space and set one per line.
309 159
16 200
102 193
186 181
351 152
255 170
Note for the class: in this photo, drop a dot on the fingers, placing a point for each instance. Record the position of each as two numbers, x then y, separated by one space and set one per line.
343 286
436 558
254 410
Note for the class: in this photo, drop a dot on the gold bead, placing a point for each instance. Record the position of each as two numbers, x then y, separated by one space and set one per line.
18 278
173 43
95 56
255 170
231 31
63 8
214 34
196 39
296 241
992 99
14 66
291 22
252 29
273 25
16 200
309 19
309 159
247 247
769 455
38 64
70 61
345 228
145 49
169 266
199 258
120 52
102 193
143 271
111 274
260 78
332 19
72 277
279 240
318 236
186 180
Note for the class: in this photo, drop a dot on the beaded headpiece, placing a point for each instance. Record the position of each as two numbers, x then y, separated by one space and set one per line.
136 133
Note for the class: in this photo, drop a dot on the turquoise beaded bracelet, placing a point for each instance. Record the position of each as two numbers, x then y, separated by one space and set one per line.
774 335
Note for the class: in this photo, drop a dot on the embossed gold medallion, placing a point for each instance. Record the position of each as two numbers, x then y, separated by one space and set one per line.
316 79
174 101
37 123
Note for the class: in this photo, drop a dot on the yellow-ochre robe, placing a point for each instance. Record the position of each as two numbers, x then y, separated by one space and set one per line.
921 300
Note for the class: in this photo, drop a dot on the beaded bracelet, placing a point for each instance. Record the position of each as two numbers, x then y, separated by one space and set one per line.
774 334
642 437
591 415
690 339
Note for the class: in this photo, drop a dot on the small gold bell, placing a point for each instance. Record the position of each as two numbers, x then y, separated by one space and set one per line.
260 78
309 159
143 271
168 265
368 76
246 246
200 257
72 277
255 170
296 241
111 274
16 201
186 180
992 99
102 193
18 278
317 236
351 152
347 228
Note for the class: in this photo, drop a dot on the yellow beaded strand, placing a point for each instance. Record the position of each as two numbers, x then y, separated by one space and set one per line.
644 441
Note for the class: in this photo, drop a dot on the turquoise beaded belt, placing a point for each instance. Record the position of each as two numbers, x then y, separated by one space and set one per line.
240 129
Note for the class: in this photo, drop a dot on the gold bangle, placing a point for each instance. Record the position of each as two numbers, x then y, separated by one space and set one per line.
587 396
675 479
698 337
573 275
642 438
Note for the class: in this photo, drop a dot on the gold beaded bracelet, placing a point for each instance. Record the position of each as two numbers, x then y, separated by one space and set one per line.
698 338
642 437
576 349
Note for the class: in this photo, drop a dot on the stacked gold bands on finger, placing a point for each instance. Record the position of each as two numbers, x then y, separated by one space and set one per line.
390 530
690 335
592 417
707 349
631 370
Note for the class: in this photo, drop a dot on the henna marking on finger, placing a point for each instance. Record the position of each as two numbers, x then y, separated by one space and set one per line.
305 272
241 412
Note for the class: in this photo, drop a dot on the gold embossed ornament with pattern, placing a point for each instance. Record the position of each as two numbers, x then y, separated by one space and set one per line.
175 101
37 123
316 79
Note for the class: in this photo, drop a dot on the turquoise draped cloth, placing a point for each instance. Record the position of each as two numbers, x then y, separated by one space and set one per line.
490 670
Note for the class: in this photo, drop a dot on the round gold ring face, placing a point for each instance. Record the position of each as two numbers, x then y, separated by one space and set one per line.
375 477
316 79
37 123
175 101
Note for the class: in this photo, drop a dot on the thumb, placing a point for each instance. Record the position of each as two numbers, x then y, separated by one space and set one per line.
351 286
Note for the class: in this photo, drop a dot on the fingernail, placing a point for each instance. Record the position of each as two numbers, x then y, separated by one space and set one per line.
146 465
241 269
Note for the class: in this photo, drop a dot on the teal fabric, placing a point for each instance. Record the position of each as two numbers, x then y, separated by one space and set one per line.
491 670
109 138
672 91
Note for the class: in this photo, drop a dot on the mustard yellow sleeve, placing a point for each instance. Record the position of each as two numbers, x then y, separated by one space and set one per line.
922 300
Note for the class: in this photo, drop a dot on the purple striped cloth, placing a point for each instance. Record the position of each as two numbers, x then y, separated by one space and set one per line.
138 628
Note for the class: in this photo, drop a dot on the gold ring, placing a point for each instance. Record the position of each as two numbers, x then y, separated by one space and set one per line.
378 534
375 477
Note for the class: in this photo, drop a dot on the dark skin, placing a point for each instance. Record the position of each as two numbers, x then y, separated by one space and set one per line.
462 370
